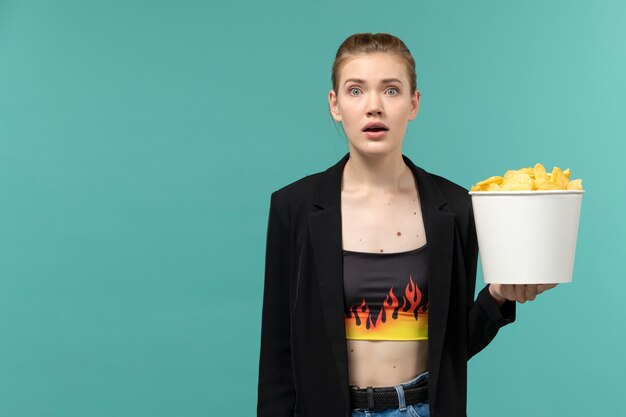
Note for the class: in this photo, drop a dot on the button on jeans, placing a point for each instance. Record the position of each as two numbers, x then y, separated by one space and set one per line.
420 409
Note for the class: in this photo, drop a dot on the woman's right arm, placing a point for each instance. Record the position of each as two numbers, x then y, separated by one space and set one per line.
276 391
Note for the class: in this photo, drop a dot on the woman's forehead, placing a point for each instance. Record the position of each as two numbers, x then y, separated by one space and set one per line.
373 67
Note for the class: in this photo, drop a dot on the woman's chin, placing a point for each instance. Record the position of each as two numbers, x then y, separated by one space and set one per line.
378 148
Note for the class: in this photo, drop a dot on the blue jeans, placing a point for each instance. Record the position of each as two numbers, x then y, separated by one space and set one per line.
420 409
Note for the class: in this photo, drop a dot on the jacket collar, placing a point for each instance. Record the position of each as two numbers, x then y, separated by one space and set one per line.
326 238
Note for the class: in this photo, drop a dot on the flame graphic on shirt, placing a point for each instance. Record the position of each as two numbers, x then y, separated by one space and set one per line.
392 322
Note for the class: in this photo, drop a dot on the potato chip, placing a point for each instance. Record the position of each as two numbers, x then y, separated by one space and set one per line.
566 173
517 181
546 184
491 180
485 184
559 178
576 184
540 172
509 173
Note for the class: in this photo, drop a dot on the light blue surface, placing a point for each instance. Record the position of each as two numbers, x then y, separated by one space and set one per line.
140 141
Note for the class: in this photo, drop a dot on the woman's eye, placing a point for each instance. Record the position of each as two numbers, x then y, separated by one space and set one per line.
353 89
395 90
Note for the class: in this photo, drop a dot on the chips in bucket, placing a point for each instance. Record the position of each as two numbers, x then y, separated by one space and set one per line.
530 179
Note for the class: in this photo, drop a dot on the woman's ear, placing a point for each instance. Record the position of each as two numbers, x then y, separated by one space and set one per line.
333 105
415 104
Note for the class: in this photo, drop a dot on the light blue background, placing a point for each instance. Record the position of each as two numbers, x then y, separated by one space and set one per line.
140 142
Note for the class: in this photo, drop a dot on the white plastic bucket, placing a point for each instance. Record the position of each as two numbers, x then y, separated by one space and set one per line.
527 237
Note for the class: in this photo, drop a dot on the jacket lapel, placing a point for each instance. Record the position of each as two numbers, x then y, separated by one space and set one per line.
326 241
439 227
326 238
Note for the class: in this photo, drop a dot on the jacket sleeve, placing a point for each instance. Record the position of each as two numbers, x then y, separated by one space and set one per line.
276 391
485 317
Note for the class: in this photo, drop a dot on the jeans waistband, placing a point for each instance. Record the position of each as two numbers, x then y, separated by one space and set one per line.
399 388
416 380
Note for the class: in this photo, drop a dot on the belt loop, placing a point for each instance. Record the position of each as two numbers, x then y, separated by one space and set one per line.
401 398
370 397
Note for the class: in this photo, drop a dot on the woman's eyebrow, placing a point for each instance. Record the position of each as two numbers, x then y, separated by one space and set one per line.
385 81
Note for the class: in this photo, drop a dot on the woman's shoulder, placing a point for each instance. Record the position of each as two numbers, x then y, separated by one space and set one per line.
298 194
299 188
304 188
450 188
456 195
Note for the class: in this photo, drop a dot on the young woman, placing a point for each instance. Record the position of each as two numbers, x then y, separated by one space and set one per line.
368 305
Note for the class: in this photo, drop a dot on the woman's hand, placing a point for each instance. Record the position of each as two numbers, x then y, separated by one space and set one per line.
517 292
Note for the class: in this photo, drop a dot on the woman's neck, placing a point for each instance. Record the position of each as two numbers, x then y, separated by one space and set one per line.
384 174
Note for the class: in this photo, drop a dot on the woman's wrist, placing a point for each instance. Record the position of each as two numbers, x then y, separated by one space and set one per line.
497 297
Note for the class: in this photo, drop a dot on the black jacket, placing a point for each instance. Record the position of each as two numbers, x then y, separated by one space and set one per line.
303 370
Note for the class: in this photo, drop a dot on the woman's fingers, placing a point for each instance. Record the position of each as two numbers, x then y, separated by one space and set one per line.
531 292
507 291
544 287
520 293
513 292
523 292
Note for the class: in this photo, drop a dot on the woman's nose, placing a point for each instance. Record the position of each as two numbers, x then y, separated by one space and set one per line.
374 106
377 111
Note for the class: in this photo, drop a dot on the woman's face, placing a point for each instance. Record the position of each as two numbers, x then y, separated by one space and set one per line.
374 88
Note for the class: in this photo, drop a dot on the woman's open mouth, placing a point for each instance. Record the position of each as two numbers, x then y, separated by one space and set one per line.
375 130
